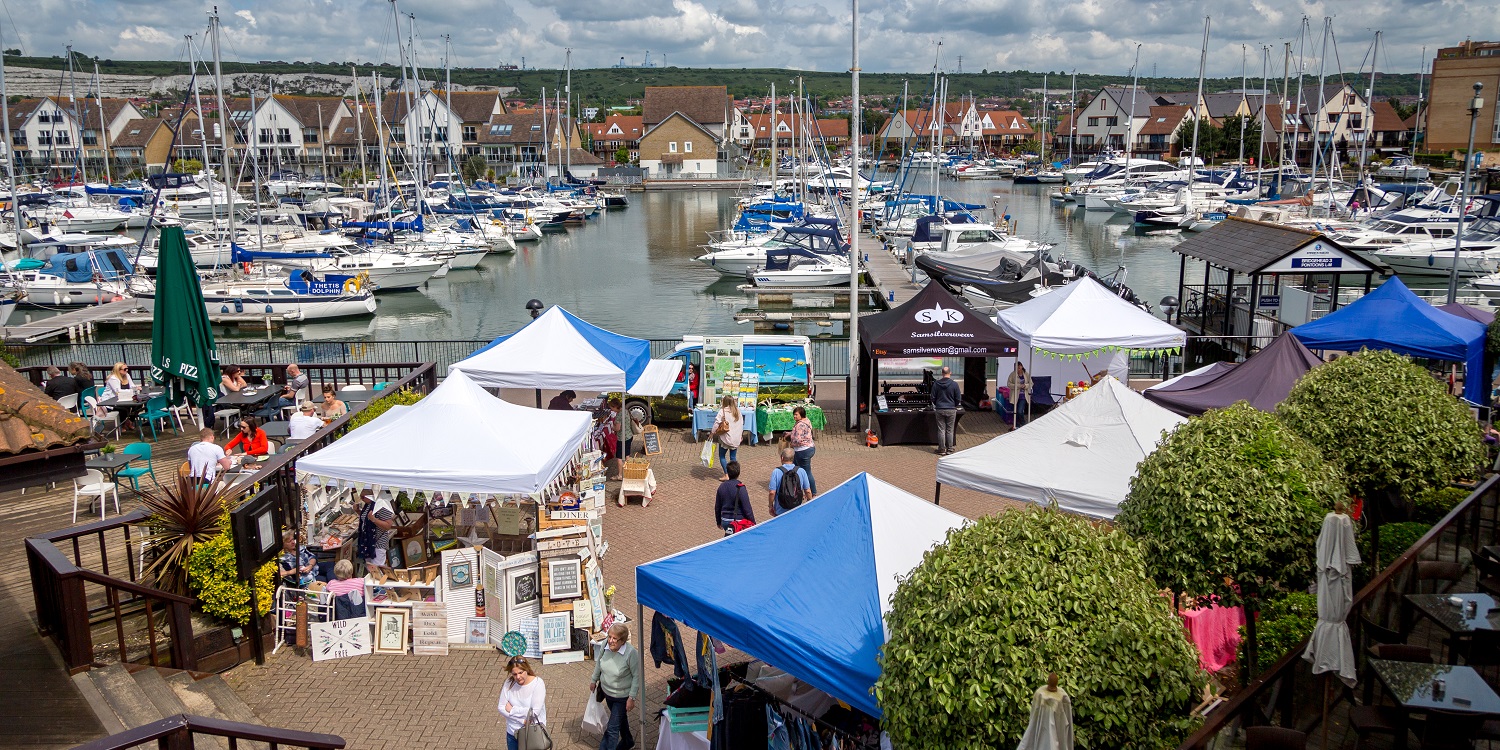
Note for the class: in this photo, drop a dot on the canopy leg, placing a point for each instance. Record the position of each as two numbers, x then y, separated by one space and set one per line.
937 493
640 649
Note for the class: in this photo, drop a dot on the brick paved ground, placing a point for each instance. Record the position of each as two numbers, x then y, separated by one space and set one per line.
401 702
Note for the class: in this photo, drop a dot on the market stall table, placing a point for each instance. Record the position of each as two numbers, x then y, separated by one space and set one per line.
704 417
779 418
910 426
666 739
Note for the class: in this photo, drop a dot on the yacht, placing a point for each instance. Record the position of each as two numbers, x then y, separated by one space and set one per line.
1480 255
1402 168
818 237
799 267
300 296
70 279
387 271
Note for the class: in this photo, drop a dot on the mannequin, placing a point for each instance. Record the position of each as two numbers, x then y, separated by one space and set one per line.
1051 725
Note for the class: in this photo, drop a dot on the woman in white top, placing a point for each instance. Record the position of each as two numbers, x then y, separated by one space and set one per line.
522 695
729 428
119 380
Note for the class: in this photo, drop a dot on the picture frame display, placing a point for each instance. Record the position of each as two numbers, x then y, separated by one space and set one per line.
555 631
563 578
478 633
461 575
340 639
391 630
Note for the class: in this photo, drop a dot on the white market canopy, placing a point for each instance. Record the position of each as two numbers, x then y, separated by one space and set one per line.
1083 318
560 351
1080 455
459 438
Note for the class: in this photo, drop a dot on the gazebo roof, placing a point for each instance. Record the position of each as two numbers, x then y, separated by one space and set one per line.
1253 247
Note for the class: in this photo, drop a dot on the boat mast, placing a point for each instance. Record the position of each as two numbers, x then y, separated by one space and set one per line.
1135 86
567 135
103 126
260 231
851 401
223 121
448 102
77 118
546 141
385 189
1044 118
213 201
1072 116
1364 143
774 135
359 128
10 159
1243 98
1260 154
1322 102
1302 34
1416 124
936 121
1198 104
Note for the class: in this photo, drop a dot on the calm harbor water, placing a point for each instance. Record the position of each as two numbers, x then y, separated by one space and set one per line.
632 270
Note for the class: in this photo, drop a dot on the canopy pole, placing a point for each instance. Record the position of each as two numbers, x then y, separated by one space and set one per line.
937 493
538 398
640 650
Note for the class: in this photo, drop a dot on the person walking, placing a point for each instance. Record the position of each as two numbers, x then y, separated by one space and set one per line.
945 401
789 484
732 502
1019 384
522 695
802 444
617 672
729 429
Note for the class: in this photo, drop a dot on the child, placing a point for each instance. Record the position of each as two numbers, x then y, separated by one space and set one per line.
732 502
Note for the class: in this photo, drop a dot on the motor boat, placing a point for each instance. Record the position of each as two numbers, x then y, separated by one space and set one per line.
1402 168
798 267
300 296
818 237
69 279
387 271
1479 256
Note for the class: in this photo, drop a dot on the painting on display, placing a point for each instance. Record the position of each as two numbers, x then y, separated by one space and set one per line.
723 361
555 630
563 578
340 639
595 578
390 630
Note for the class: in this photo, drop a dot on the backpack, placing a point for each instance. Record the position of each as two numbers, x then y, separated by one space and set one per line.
789 491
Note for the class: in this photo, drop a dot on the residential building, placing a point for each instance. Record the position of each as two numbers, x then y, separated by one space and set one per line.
679 145
616 132
1114 116
755 131
438 131
1157 138
963 124
1455 70
284 131
145 144
47 134
1391 133
708 107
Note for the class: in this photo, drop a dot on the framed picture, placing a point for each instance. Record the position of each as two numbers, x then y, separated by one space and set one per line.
390 630
478 633
563 577
523 587
555 630
414 550
461 575
340 639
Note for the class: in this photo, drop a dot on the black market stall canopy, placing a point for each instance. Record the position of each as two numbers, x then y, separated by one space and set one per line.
934 323
1264 380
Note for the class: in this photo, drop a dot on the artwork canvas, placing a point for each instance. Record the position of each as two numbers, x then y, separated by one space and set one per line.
563 579
523 587
340 639
596 591
555 630
479 631
390 630
461 575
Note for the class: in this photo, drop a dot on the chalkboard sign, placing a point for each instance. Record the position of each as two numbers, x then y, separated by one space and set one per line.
653 440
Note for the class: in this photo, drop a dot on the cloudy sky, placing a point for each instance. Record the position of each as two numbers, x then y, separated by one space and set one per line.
1098 36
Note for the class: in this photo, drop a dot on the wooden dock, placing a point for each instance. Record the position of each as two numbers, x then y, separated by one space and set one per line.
79 321
888 274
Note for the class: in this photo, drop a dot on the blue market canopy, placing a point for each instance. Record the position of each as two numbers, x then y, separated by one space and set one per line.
560 350
806 591
1393 318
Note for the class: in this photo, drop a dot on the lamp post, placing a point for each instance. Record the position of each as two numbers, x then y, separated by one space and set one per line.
535 306
1475 104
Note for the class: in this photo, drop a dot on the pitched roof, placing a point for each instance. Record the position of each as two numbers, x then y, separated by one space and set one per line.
347 133
576 157
1165 119
514 128
789 125
137 133
705 105
88 109
1276 117
473 106
1386 118
1006 122
626 127
1246 246
1122 96
305 108
31 421
685 118
1064 125
1331 91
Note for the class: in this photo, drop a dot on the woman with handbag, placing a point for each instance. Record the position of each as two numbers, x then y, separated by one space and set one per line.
523 703
617 673
729 430
802 443
732 510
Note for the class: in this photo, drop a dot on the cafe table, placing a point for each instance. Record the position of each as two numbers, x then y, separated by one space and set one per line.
129 407
1455 618
110 463
248 401
1411 686
277 429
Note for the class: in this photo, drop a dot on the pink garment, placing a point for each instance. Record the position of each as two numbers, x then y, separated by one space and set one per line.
1215 631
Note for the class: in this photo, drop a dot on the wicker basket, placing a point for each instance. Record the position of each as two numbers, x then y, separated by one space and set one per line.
636 468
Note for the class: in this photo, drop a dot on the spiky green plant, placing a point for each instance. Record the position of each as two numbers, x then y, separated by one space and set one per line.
182 516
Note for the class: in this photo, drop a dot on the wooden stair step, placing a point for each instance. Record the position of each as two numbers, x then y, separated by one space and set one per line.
124 696
166 699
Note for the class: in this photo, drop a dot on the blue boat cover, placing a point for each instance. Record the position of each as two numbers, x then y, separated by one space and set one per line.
1393 318
806 591
79 268
239 254
624 352
414 225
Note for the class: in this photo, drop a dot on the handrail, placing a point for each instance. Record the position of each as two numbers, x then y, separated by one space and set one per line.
1222 716
177 731
130 518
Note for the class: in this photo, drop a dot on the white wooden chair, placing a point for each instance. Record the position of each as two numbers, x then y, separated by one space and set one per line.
99 415
93 484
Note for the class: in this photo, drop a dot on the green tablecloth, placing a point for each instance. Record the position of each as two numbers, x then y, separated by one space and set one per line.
779 418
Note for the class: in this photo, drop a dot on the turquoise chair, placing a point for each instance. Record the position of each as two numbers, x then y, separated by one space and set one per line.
382 386
156 409
134 473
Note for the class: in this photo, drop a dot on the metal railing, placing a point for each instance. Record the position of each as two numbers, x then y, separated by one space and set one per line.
177 733
58 584
1287 695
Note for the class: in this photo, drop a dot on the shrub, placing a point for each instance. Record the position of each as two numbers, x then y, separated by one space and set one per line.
184 515
1284 621
214 579
1230 503
403 397
984 618
1395 540
1431 506
1393 429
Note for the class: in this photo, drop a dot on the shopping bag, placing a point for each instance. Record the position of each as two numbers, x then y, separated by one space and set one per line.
595 716
708 455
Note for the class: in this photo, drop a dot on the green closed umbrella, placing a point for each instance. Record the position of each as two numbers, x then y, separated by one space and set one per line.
183 356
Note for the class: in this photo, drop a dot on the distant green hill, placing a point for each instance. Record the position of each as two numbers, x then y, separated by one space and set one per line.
613 86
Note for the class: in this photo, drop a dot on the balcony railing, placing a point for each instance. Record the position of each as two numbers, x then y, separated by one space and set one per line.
177 733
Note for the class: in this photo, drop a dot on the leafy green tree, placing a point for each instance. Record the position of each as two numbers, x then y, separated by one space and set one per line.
187 166
977 627
1390 426
1230 147
622 155
1210 139
1230 505
474 168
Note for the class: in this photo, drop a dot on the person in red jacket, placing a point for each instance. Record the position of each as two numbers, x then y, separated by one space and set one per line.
251 439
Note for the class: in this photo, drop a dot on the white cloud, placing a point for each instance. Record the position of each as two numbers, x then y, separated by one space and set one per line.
1095 36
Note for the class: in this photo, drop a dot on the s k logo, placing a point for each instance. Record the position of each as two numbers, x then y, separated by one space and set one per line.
939 315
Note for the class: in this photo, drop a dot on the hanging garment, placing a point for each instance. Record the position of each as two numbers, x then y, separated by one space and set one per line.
666 645
777 737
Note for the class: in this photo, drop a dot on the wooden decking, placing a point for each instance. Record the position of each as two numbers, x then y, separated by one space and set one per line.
39 706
